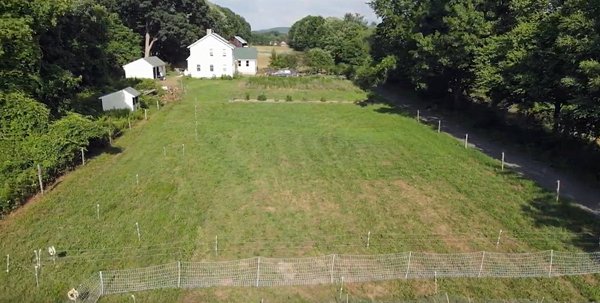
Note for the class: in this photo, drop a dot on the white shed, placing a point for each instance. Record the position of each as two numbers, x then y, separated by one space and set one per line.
246 60
146 68
126 98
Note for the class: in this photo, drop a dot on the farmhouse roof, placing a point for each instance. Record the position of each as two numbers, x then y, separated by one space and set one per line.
245 53
241 40
210 33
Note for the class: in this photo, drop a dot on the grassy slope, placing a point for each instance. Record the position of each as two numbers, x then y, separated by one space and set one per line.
268 178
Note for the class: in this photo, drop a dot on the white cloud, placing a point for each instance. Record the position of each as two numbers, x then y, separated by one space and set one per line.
262 14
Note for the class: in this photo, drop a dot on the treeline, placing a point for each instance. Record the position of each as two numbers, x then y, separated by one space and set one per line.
539 57
58 57
268 38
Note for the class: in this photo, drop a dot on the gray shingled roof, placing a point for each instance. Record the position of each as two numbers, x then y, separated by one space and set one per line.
155 61
245 53
238 38
132 91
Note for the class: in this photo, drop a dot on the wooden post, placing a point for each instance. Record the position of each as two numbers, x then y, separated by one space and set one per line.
502 161
498 241
418 115
82 157
439 126
137 179
467 141
98 211
137 228
145 114
368 238
39 170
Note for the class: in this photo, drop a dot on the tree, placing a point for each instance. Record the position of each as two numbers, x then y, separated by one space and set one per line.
307 33
319 60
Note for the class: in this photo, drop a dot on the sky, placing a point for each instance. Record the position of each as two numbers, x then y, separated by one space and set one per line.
264 14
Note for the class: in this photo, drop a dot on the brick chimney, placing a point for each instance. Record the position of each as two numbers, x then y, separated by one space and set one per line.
209 31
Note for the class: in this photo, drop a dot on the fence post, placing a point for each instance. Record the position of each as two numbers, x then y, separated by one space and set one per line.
332 264
481 265
145 114
258 272
467 141
439 126
551 261
418 115
498 241
178 274
82 157
502 161
39 169
216 245
557 190
101 284
408 265
7 262
368 239
37 280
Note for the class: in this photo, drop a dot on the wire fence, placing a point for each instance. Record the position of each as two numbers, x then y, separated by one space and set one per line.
338 269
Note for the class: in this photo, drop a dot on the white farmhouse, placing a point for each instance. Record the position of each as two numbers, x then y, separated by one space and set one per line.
124 99
211 56
214 56
146 68
246 60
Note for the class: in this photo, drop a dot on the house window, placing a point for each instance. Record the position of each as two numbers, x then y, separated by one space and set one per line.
224 67
198 67
224 53
247 63
239 62
212 68
211 52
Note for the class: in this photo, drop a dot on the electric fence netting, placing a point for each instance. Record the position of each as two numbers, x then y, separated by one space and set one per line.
333 269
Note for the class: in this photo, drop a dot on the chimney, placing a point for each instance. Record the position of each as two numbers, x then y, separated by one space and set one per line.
209 31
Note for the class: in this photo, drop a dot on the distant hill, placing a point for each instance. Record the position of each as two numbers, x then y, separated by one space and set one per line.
281 30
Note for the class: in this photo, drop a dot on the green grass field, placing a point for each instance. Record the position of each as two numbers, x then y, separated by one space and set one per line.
287 180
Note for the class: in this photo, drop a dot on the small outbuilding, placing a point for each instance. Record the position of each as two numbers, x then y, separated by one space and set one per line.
239 42
126 98
146 68
246 60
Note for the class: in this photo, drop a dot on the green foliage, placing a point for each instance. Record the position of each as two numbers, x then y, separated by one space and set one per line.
319 60
370 75
262 97
288 98
267 38
529 53
291 60
307 32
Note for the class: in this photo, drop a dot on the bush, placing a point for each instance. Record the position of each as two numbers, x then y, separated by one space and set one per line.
226 77
323 99
247 96
288 98
262 97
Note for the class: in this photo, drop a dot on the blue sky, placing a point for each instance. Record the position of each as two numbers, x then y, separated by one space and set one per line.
263 14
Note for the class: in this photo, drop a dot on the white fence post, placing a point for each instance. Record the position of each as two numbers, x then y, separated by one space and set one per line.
408 265
368 239
82 157
557 190
178 274
39 169
37 280
439 126
145 114
551 261
502 161
498 241
467 141
101 284
216 245
332 264
258 272
7 262
418 115
481 265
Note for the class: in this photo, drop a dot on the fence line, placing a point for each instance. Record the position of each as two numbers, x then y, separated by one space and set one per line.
270 272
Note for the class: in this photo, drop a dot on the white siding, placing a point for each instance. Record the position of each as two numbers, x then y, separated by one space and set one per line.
247 66
221 59
141 69
118 100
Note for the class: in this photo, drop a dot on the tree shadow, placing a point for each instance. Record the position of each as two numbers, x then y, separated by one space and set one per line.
583 224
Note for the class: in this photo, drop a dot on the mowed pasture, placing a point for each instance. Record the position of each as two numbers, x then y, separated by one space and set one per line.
287 180
265 51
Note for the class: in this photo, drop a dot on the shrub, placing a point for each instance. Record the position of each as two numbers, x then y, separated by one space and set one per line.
323 99
262 97
226 77
247 96
288 98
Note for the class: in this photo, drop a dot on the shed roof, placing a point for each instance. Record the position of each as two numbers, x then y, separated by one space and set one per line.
129 90
245 53
153 61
